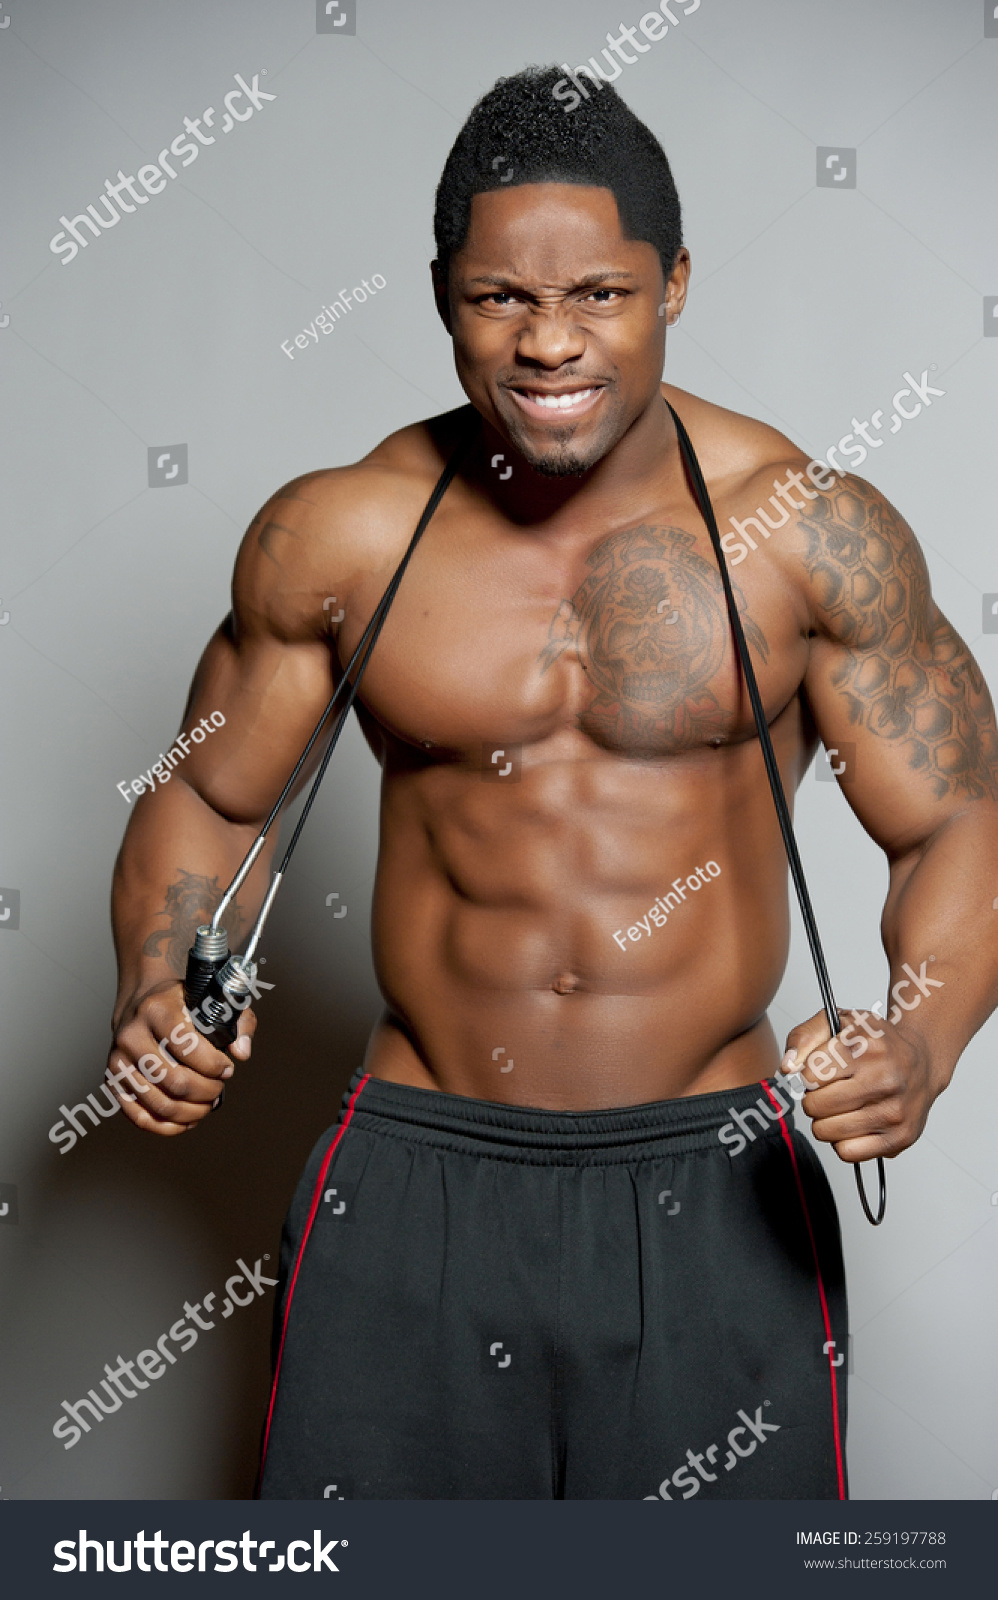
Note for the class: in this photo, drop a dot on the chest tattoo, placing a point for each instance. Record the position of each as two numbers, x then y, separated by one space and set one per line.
650 627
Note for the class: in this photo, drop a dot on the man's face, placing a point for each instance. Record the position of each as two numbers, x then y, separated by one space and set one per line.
555 319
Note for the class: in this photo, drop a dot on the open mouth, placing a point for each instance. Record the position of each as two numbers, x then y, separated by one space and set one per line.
556 405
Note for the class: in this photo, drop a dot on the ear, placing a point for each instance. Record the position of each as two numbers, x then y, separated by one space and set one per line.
440 294
677 285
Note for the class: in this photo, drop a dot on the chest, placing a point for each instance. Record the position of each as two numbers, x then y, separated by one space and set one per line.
627 642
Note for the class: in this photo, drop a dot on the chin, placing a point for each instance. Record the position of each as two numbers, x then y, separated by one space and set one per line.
560 463
565 457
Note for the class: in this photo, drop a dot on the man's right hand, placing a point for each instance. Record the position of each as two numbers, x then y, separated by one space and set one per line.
167 1076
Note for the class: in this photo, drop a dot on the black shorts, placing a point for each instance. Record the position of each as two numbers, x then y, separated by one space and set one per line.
482 1301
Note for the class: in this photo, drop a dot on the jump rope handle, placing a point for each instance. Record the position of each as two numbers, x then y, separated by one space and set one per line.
700 494
216 989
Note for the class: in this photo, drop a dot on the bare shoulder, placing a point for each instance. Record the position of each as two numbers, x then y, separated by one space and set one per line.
846 535
318 535
737 453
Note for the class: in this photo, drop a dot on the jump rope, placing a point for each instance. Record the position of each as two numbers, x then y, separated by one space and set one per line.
218 985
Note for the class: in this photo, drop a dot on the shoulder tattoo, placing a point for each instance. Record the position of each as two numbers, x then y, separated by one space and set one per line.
906 675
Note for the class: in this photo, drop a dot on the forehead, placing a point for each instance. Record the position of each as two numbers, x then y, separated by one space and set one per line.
550 231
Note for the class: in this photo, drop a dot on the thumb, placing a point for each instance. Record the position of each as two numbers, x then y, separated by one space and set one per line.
245 1029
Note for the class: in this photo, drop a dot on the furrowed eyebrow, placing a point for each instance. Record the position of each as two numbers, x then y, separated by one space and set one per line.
591 281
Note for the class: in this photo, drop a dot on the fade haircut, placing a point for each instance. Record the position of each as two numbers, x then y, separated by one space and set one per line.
519 133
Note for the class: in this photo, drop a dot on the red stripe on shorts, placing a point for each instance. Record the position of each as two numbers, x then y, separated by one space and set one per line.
298 1259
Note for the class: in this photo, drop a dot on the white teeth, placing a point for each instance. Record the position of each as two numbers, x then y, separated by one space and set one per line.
561 402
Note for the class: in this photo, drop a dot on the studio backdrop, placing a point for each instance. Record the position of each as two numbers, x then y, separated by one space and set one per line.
165 371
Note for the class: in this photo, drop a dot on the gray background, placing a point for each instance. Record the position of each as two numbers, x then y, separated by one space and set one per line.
807 307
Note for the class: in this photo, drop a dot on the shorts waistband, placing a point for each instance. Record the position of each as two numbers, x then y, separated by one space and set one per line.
532 1133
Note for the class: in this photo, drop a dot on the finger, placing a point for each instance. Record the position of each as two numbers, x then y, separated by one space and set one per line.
166 1091
190 1070
827 1064
242 1044
845 1094
844 1087
869 1148
174 1028
807 1036
133 1088
144 1117
137 1114
883 1121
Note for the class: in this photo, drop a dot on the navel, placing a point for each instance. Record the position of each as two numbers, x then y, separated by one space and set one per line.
565 983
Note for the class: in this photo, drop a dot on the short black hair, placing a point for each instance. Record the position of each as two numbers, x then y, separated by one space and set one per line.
519 132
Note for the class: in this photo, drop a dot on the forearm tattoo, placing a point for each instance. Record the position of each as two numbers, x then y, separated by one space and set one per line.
905 675
651 629
190 902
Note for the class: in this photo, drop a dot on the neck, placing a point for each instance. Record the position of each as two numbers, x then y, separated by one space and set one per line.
631 470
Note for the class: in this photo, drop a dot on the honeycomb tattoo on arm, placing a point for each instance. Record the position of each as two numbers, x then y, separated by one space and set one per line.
905 673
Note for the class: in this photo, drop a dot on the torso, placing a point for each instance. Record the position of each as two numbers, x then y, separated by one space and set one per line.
600 663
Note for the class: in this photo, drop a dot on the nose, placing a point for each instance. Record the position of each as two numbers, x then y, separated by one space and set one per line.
550 337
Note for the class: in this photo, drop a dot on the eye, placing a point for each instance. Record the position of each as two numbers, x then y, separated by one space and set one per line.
498 297
607 296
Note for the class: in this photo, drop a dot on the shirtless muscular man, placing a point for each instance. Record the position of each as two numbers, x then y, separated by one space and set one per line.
558 1280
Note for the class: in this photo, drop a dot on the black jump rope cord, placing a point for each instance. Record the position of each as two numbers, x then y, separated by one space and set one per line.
369 639
702 498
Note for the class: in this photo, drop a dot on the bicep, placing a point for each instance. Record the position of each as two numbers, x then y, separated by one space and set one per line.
271 667
890 682
270 693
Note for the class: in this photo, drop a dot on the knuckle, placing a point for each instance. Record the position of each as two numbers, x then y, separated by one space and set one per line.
180 1083
133 1038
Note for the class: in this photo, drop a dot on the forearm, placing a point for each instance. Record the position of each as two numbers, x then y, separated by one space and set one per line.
940 913
176 860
